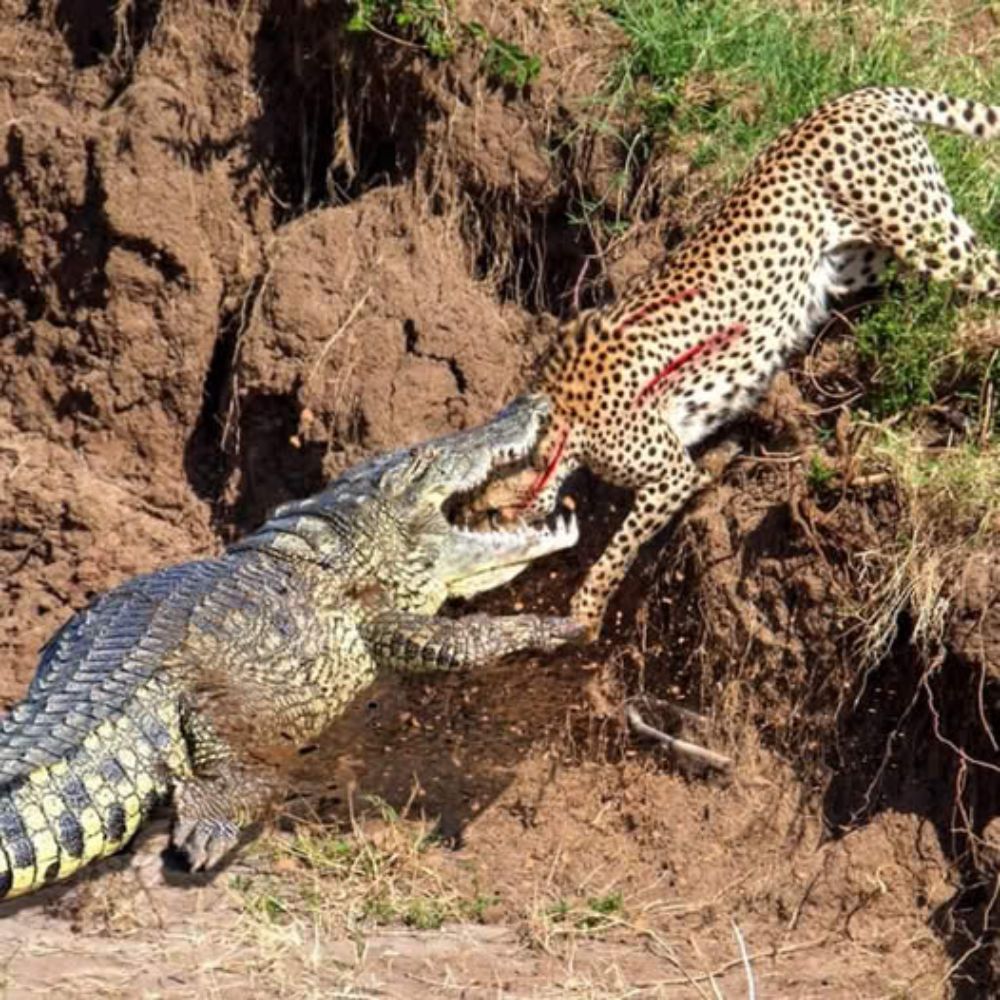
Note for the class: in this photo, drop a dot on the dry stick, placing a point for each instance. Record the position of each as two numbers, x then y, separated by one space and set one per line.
870 481
797 912
662 949
682 713
682 748
716 991
986 401
332 339
976 945
745 959
981 691
843 398
248 305
966 758
771 953
578 287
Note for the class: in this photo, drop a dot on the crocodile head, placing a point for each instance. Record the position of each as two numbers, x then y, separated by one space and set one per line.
388 519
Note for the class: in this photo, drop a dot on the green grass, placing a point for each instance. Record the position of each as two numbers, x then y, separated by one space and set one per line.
819 474
434 26
504 61
958 486
727 75
910 348
737 71
598 913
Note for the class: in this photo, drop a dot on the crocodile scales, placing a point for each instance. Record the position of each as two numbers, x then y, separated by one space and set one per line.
200 682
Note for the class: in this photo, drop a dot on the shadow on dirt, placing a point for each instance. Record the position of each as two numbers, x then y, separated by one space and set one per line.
449 744
920 741
94 29
340 112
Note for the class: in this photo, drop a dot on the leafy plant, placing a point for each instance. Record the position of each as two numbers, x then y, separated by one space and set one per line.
509 63
820 474
429 22
432 24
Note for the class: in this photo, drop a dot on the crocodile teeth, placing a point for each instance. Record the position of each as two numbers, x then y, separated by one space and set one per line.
566 526
563 529
513 453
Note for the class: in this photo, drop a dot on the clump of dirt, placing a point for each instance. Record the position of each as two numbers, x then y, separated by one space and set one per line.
974 624
380 347
242 247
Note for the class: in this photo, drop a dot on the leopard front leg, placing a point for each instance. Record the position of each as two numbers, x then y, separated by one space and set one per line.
664 478
652 510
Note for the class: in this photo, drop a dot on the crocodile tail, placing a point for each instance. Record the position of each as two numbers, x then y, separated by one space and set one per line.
60 815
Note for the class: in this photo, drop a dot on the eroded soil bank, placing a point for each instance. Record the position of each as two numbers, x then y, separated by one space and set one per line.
240 248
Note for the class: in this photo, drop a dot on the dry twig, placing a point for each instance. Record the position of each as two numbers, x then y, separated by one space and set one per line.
678 747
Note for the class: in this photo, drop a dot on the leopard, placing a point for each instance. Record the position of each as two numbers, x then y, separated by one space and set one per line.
695 343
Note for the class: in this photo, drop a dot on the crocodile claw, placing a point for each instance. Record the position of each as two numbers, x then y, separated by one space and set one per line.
557 632
205 841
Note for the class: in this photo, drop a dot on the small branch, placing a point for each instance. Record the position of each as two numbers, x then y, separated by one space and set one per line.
797 912
745 959
681 748
337 334
682 713
870 481
718 973
578 287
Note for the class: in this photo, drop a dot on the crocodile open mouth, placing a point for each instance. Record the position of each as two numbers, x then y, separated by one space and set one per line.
490 453
468 508
558 531
476 560
480 554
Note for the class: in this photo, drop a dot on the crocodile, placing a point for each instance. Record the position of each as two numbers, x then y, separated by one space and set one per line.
199 683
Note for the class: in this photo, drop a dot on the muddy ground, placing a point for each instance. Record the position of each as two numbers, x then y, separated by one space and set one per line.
239 249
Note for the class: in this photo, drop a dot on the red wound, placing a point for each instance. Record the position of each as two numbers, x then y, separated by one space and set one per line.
550 470
684 295
715 342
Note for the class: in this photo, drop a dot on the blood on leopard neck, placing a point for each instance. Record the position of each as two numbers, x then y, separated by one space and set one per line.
550 451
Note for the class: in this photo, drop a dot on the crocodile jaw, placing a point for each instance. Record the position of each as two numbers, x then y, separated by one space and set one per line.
462 462
474 561
392 508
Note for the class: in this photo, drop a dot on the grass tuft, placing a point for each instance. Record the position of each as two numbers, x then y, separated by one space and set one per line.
954 493
377 875
951 500
926 342
906 343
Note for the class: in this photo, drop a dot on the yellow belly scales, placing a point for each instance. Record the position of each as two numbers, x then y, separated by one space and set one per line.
61 816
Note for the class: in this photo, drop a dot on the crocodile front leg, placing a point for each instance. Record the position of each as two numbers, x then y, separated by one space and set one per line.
213 810
225 793
418 643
